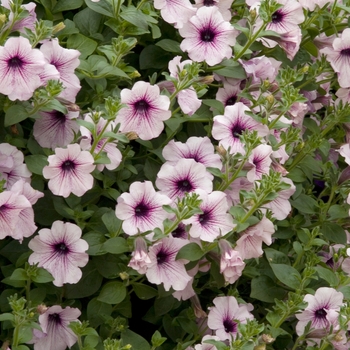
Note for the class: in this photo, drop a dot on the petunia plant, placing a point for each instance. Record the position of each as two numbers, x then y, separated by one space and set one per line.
174 175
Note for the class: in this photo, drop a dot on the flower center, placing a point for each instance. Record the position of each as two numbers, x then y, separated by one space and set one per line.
237 130
204 218
180 232
231 101
184 186
15 62
68 165
345 52
55 318
277 17
61 248
59 116
229 326
141 210
207 35
141 106
162 257
320 313
208 3
3 208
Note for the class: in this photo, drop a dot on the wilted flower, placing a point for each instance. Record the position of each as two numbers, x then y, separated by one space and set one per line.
60 251
140 257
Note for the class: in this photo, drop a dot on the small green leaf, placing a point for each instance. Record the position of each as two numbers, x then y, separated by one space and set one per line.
287 275
191 252
143 291
328 275
7 317
333 232
305 204
116 245
42 276
36 163
15 114
169 45
19 275
112 293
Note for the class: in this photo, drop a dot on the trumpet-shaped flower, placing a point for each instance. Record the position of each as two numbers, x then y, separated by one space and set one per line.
214 221
20 66
184 177
69 171
207 36
56 333
260 162
55 129
60 251
225 316
141 209
164 268
145 110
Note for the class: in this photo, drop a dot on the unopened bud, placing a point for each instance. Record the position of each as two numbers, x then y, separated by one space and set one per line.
338 338
132 135
270 99
266 83
221 150
58 27
124 275
252 14
305 69
134 74
279 168
41 309
260 347
267 338
208 79
2 20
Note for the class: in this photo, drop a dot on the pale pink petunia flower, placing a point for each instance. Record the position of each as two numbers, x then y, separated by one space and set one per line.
55 129
227 128
231 262
322 310
214 221
208 37
206 346
200 149
145 110
69 171
249 245
12 167
11 207
176 12
61 251
65 61
259 162
289 42
184 177
228 95
164 268
224 6
345 152
281 206
339 57
25 226
233 192
105 145
142 209
20 66
225 316
56 333
139 257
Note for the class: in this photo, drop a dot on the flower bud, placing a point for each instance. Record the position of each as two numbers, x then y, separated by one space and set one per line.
132 135
58 27
134 74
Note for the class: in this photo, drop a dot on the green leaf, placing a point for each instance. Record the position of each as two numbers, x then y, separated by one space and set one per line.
79 42
287 275
153 56
305 204
191 252
42 276
36 163
19 275
333 232
135 340
88 22
157 339
169 45
328 275
116 245
311 48
103 6
112 293
143 291
338 212
15 114
96 243
7 317
264 288
65 5
97 312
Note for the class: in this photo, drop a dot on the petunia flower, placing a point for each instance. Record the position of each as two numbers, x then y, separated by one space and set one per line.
141 210
249 245
339 57
55 129
208 37
228 95
228 127
20 66
164 268
176 12
231 262
60 251
65 61
260 162
224 6
140 257
69 171
145 110
214 221
225 316
206 346
184 177
12 167
200 149
56 333
322 310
